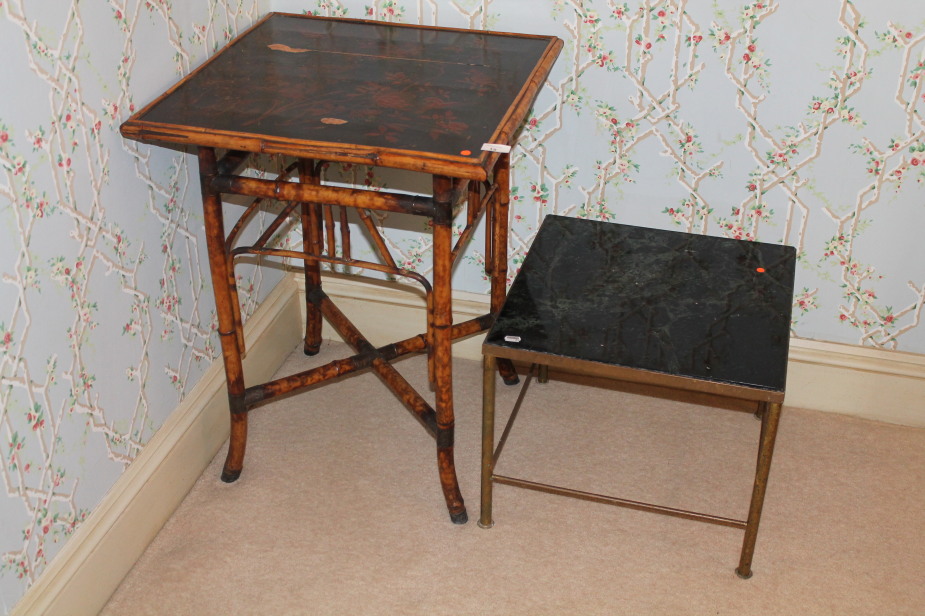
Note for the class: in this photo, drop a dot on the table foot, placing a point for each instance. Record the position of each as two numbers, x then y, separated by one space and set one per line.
508 373
744 574
448 482
237 442
230 476
312 350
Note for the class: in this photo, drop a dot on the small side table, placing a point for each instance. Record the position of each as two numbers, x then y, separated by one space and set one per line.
652 307
440 101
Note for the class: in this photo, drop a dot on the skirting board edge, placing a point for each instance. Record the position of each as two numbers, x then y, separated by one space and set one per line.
82 577
865 382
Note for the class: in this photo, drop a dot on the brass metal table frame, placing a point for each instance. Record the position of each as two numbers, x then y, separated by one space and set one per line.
480 179
768 410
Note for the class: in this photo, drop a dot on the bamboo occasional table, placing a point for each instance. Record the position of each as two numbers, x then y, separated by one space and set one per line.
439 101
659 308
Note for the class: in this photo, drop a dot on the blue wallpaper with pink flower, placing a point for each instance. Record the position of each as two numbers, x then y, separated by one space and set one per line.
776 120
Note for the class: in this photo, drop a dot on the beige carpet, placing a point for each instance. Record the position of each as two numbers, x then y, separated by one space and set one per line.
339 511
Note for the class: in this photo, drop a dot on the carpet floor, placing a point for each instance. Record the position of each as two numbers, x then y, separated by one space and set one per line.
339 511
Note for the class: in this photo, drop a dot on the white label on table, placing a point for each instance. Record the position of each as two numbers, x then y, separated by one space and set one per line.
496 147
512 338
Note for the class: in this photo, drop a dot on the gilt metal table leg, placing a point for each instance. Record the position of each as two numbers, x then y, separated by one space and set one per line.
312 243
442 341
769 421
488 438
224 287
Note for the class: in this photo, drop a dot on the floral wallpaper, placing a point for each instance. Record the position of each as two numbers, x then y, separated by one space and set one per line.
106 316
777 120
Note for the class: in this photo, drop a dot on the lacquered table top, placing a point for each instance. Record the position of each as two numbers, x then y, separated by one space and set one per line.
349 89
706 308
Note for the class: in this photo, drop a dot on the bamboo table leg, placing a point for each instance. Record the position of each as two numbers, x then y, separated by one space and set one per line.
499 226
770 417
442 340
312 244
224 287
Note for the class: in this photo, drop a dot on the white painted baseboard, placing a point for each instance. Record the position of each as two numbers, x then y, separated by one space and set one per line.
864 382
870 383
82 577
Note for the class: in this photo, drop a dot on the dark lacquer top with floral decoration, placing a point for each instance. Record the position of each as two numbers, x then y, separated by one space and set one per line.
704 307
370 84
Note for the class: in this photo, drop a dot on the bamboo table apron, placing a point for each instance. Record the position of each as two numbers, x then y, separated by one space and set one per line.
439 101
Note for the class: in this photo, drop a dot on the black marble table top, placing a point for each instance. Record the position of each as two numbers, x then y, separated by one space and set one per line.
701 307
